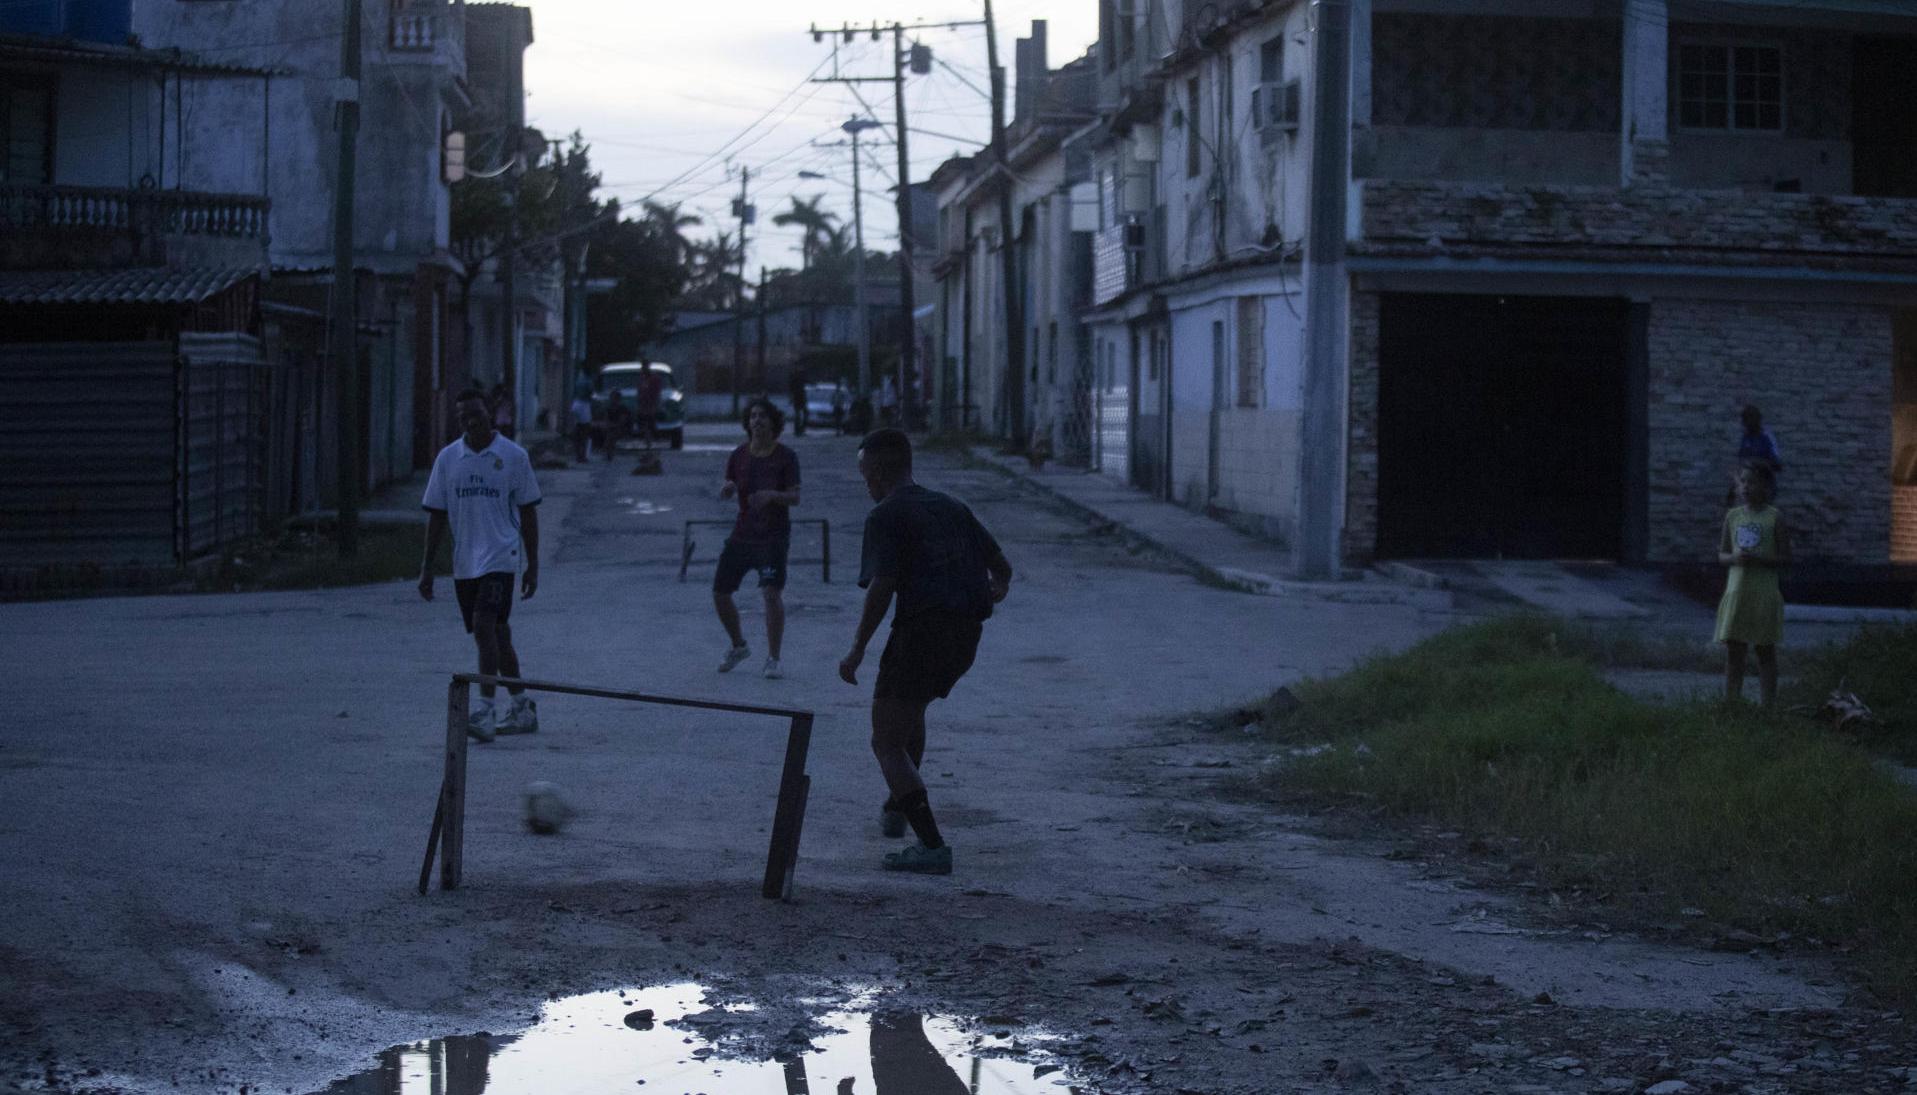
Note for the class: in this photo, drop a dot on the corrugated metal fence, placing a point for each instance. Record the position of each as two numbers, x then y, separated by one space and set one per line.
129 453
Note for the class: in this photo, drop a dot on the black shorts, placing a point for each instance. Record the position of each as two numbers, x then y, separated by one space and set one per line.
767 557
489 595
926 656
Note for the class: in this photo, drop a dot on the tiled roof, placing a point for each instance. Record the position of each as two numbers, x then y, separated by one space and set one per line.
137 286
34 47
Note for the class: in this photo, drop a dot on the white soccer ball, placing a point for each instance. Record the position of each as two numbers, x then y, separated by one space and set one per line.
547 810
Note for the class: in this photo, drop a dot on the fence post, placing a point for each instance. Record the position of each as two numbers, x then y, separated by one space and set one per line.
789 816
452 790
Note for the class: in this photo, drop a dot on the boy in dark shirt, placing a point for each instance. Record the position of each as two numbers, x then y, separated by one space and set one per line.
947 572
764 475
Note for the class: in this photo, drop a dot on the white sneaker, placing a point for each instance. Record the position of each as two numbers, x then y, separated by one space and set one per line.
772 670
733 657
521 718
479 721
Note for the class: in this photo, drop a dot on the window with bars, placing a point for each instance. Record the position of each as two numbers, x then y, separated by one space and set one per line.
1251 351
1730 86
26 124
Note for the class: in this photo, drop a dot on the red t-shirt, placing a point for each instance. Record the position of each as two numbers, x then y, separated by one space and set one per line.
776 470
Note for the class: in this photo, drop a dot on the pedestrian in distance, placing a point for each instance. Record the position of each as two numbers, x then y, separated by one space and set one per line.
764 476
482 489
618 423
795 389
581 413
927 550
1758 445
888 401
504 415
650 389
1754 544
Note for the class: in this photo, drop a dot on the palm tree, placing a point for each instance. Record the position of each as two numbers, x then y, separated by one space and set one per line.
816 222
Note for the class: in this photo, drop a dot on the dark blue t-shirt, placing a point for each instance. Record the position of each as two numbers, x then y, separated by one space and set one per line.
934 549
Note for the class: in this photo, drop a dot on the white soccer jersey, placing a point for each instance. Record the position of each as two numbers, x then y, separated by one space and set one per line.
481 493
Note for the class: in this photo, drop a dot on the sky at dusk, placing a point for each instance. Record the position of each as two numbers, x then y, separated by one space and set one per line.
660 87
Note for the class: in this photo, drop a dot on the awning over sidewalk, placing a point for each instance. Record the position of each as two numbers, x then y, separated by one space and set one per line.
135 286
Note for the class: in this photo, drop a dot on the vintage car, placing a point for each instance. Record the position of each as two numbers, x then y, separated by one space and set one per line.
623 377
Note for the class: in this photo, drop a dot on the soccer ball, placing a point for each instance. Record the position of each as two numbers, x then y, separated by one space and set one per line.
547 810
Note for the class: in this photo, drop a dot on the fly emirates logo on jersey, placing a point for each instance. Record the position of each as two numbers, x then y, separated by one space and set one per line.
476 487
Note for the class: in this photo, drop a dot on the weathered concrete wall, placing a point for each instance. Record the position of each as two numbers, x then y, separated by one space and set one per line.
1822 375
1520 157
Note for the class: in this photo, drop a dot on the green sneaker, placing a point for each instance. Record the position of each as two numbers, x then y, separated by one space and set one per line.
918 859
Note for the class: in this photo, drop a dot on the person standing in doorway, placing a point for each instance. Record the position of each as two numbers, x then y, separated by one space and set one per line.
764 475
927 549
482 488
1754 544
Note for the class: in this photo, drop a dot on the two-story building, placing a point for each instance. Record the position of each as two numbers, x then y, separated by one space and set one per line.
134 395
1570 240
971 363
412 84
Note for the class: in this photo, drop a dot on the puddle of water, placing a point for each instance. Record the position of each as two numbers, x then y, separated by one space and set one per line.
661 1039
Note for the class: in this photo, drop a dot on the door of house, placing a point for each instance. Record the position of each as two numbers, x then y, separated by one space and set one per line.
1151 356
1883 125
1502 426
1215 442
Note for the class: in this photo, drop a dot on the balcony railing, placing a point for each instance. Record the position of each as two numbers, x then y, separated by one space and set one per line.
169 212
413 31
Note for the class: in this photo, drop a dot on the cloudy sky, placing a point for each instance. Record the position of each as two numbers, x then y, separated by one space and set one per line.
668 91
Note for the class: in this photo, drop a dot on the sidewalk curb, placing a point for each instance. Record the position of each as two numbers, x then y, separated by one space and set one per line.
1430 597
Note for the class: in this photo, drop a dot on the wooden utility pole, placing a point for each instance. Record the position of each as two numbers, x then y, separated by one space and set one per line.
1008 254
908 323
345 338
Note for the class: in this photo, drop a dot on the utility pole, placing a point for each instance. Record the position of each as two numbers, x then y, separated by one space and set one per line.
509 274
1008 255
345 323
744 212
763 388
854 127
1321 465
909 333
919 60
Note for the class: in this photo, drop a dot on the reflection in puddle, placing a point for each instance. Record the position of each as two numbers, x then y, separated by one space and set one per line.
663 1038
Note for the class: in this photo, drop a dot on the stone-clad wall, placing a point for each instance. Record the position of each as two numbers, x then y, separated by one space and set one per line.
1462 214
1822 375
1361 439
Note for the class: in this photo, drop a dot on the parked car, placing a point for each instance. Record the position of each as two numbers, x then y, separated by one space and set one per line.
623 377
826 404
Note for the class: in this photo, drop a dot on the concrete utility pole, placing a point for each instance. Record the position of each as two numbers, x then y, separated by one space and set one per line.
1321 463
854 127
918 59
744 212
763 387
509 272
1008 255
345 338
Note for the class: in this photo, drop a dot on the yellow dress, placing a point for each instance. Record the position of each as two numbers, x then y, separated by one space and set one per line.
1752 610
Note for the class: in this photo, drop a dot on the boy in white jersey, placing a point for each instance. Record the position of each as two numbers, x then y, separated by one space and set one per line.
482 486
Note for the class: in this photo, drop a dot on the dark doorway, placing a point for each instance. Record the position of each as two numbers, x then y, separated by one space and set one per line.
1502 427
1883 123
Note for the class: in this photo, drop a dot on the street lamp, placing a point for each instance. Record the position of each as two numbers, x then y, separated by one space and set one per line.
853 127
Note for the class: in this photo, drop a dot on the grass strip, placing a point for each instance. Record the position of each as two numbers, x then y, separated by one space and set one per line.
1766 822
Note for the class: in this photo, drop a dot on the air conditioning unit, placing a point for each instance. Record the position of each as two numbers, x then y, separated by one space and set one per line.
1134 235
1276 106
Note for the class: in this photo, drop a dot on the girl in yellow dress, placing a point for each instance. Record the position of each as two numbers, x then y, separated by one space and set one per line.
1754 545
